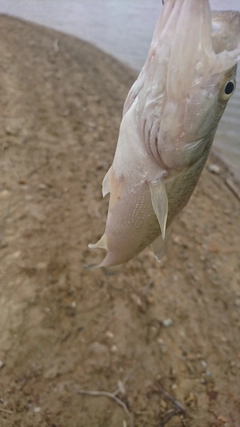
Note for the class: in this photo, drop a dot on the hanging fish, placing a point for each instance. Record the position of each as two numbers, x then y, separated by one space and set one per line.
169 121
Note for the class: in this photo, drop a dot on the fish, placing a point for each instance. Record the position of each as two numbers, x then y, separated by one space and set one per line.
169 121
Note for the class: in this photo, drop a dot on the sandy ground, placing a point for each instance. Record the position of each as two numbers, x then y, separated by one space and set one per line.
63 328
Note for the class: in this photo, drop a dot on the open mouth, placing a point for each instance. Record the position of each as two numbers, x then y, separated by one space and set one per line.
225 31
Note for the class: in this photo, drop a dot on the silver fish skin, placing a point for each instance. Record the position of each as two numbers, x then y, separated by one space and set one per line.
170 117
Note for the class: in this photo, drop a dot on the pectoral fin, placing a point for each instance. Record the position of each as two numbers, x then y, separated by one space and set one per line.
160 204
159 245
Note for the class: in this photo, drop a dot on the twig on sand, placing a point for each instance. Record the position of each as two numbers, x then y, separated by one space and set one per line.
113 395
233 187
171 398
179 409
124 381
169 415
6 411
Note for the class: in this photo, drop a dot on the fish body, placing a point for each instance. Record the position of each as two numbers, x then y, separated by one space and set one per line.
169 121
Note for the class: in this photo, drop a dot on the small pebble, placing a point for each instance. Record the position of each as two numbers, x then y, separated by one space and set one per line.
213 168
163 404
1 364
114 349
109 334
167 322
223 419
190 265
4 194
137 300
190 400
177 240
150 299
15 255
42 187
37 409
51 373
41 265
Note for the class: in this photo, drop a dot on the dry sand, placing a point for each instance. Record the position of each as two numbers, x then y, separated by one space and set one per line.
63 328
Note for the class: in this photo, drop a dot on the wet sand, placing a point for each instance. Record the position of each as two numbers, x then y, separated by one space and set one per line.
63 328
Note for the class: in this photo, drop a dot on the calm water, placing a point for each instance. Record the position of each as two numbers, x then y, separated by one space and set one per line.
124 29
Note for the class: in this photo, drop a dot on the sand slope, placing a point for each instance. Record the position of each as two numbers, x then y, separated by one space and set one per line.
63 328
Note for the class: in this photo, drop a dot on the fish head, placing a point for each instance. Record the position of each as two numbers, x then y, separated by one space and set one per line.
192 67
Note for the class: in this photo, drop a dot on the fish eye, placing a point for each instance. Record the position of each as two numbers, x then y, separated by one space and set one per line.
229 88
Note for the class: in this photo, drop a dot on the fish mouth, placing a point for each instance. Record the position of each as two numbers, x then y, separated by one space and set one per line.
193 45
225 31
187 25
